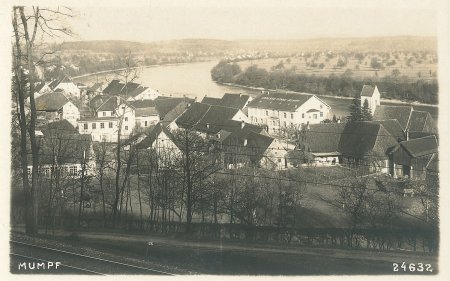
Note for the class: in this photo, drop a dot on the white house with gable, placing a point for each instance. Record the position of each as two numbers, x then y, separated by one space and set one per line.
371 95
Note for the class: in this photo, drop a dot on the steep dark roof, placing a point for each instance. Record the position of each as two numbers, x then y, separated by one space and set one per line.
143 103
61 127
167 104
193 114
394 128
51 101
236 131
400 112
280 101
235 100
109 105
421 146
152 134
324 138
211 101
146 111
257 145
70 148
367 91
421 121
215 116
113 88
362 139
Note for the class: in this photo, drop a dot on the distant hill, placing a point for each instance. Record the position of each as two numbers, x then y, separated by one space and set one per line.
371 44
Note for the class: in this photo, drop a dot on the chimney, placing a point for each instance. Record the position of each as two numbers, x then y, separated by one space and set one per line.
242 124
245 142
207 125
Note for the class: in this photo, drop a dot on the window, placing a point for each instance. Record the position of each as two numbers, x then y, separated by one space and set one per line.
321 114
126 118
267 113
94 126
315 116
284 123
303 115
85 126
104 113
321 106
73 170
292 115
110 124
112 113
102 125
145 124
285 115
126 128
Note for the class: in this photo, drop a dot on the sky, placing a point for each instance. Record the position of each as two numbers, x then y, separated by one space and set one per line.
155 20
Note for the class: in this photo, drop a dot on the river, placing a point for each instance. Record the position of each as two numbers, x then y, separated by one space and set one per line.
194 80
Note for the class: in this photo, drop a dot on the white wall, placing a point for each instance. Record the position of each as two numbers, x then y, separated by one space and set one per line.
69 88
71 113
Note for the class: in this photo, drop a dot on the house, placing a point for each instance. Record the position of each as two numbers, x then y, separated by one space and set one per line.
110 115
322 142
401 113
146 113
130 91
266 152
64 153
281 110
169 109
161 141
56 106
394 128
239 101
202 117
372 96
412 158
230 139
67 85
366 145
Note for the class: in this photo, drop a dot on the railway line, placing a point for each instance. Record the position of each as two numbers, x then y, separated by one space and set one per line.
26 258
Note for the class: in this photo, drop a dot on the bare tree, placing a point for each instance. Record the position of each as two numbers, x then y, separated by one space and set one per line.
29 25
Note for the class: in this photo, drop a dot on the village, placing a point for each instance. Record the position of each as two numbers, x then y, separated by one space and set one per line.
274 129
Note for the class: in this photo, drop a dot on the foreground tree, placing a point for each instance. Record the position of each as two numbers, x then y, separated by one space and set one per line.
30 25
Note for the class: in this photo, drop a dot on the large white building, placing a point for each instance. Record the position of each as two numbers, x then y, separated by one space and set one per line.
282 110
112 114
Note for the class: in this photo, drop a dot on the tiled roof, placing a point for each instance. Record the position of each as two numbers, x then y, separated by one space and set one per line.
361 139
367 91
51 101
280 101
61 127
165 105
113 88
109 105
152 134
323 138
146 111
421 146
418 121
400 112
143 103
394 128
257 145
211 101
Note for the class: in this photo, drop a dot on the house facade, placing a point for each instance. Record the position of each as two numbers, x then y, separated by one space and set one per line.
67 86
55 106
278 111
372 96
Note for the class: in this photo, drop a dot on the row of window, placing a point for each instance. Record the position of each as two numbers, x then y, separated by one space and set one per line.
94 125
66 170
292 115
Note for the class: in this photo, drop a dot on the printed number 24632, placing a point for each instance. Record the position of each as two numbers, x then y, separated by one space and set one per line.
411 267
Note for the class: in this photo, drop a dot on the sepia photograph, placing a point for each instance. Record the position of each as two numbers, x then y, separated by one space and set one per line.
226 138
